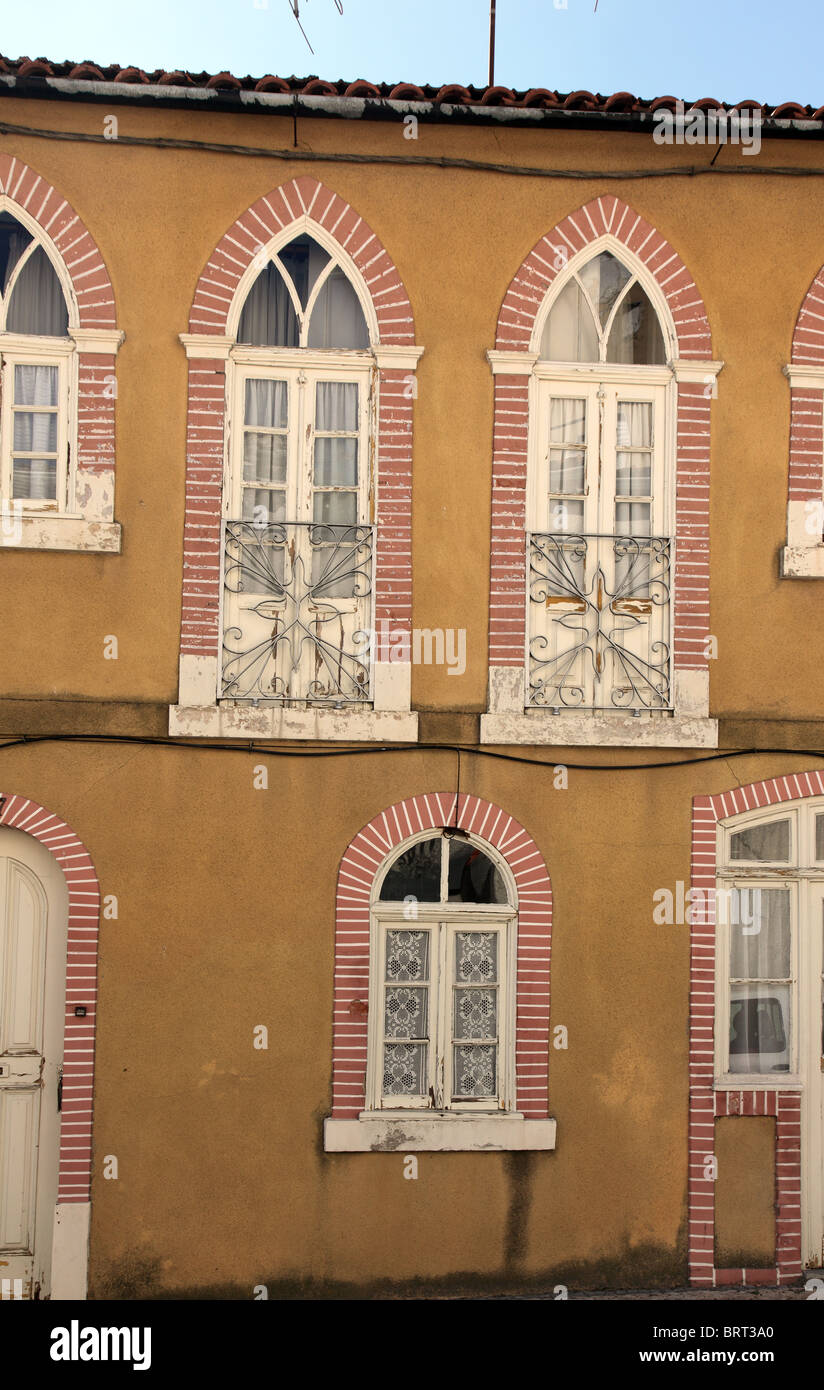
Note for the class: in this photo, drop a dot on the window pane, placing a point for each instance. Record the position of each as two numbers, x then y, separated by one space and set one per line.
336 508
474 1071
263 505
473 877
13 241
476 957
35 386
760 1028
635 336
632 518
35 479
760 939
416 873
405 1013
336 406
336 462
762 844
404 1069
268 317
570 334
37 304
819 837
35 433
264 458
566 516
634 432
567 420
266 404
475 1013
303 259
337 318
407 955
603 278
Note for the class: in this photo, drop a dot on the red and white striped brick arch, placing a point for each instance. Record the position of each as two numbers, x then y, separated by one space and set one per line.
94 300
522 301
216 288
705 1102
18 813
806 474
370 848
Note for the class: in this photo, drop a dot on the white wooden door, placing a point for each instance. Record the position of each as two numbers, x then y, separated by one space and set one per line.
812 1120
33 922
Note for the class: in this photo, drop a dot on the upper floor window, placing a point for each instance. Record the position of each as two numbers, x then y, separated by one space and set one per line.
35 373
299 497
601 506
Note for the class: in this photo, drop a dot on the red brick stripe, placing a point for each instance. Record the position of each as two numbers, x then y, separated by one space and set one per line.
359 866
74 1182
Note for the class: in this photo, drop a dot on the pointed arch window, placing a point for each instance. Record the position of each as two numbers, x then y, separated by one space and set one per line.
602 500
35 375
299 502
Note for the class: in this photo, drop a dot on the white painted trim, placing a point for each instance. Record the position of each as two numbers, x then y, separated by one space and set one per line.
804 377
803 555
52 532
413 1132
702 373
511 363
397 356
274 722
70 1251
802 562
105 341
206 345
659 729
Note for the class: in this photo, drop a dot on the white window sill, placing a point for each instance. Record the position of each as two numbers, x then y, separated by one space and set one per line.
802 562
49 532
750 1081
272 721
653 730
411 1131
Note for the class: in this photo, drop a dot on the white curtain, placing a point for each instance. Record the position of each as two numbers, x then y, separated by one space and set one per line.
337 319
635 336
570 334
35 432
760 950
37 301
264 454
268 318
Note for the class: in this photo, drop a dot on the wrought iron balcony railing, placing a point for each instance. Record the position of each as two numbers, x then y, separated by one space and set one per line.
297 608
599 622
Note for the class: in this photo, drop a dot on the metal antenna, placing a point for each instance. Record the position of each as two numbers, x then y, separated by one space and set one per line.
492 43
294 6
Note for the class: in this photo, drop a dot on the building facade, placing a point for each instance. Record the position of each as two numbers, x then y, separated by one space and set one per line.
412 761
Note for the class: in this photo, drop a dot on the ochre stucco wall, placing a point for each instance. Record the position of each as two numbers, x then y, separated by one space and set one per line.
745 1192
753 246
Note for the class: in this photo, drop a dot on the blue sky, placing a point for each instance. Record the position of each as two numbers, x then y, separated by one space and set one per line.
728 49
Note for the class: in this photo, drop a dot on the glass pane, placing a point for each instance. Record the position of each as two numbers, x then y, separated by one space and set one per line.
13 241
819 837
566 516
473 877
407 955
37 304
268 317
416 873
570 334
337 319
759 1028
760 938
264 458
604 278
632 518
476 957
35 432
404 1069
635 335
474 1071
567 420
336 462
336 508
634 432
267 404
475 1013
260 553
263 505
34 478
405 1013
762 844
35 386
303 259
336 406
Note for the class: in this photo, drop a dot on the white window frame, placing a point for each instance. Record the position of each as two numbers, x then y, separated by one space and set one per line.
61 523
508 718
